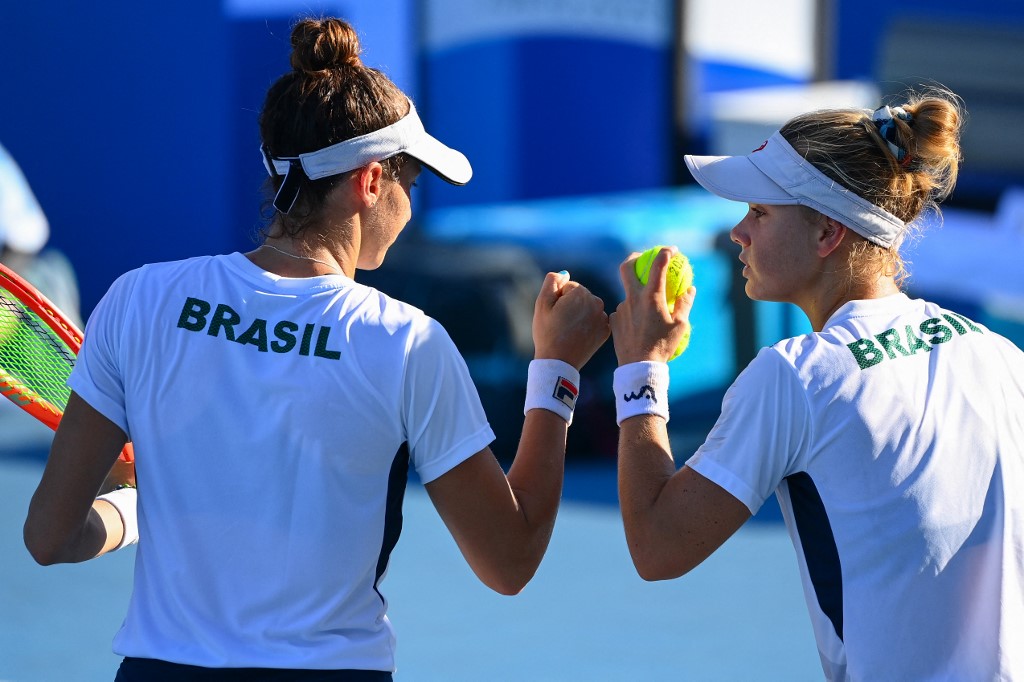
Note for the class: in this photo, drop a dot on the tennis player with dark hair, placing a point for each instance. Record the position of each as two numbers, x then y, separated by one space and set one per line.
275 406
892 435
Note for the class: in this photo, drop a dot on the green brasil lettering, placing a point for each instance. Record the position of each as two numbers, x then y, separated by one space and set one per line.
895 343
223 321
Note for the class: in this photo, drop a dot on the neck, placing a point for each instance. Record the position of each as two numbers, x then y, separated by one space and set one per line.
293 258
821 308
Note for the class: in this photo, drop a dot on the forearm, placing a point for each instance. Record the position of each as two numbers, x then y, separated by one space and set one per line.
645 468
673 518
65 522
535 479
502 523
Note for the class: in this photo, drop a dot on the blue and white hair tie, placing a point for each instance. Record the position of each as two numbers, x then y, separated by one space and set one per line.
883 118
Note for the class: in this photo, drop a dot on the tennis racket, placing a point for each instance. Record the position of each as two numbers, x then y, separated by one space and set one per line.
38 346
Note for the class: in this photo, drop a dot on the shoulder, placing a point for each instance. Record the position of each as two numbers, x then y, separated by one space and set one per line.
806 349
852 331
162 271
399 319
152 275
193 266
772 368
389 311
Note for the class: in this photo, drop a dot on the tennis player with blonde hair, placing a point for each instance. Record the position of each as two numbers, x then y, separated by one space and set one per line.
892 435
275 405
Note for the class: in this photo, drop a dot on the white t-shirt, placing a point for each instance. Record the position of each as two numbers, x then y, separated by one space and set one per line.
894 439
273 421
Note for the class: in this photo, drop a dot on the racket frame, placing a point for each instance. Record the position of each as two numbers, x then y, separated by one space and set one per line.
63 328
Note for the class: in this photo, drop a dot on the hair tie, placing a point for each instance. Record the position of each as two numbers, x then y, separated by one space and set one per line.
883 118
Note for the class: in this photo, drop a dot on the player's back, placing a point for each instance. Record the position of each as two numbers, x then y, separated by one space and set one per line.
267 415
917 457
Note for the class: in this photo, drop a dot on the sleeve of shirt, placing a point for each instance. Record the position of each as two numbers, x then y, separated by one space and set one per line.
97 377
761 433
445 420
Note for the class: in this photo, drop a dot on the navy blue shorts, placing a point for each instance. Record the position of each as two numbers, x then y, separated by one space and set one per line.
150 670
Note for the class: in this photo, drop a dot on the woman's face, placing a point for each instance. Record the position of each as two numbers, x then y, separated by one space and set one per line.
391 214
778 251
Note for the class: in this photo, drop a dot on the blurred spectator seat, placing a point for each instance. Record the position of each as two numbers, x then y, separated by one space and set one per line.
984 64
969 261
740 120
24 233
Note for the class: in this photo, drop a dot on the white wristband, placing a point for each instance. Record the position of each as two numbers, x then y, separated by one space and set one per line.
124 501
641 388
552 385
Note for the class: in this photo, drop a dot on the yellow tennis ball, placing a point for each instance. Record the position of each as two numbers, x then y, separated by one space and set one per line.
678 279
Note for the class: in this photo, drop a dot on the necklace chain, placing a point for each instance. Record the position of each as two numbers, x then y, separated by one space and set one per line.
315 260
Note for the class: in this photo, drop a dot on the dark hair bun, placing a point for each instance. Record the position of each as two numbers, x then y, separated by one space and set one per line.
323 44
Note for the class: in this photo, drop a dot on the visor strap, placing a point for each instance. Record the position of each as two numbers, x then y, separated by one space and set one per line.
356 152
286 195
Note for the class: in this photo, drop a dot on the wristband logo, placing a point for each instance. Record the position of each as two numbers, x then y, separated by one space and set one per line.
645 392
566 392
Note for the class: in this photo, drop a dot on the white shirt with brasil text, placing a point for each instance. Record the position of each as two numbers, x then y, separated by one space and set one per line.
273 421
894 439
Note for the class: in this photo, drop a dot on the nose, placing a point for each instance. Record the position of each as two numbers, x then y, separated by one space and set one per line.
738 235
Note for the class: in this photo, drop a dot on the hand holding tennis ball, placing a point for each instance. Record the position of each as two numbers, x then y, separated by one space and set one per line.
678 278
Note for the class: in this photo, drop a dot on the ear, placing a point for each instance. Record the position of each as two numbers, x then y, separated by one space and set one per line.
368 183
830 236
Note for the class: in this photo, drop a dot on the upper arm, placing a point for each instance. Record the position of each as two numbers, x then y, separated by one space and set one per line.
758 440
476 503
701 516
673 518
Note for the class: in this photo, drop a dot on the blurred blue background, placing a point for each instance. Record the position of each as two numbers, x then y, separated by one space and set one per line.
136 126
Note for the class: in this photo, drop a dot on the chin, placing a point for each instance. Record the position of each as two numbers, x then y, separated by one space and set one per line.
755 293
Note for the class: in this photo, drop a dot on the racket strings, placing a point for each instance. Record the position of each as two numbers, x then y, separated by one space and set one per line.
34 362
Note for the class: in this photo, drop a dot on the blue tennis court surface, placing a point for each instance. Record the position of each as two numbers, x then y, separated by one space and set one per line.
586 616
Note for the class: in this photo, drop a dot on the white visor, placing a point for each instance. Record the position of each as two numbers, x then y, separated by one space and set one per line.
406 135
775 174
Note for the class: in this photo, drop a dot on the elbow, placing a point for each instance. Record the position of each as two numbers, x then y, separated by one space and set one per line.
44 548
510 578
43 553
510 582
508 588
44 559
653 566
653 572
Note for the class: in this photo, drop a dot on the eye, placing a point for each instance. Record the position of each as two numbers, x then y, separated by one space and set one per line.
758 213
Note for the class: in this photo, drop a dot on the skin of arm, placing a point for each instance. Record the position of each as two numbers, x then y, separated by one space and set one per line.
673 519
502 524
66 523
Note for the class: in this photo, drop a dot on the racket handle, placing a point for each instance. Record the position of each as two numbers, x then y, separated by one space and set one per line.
128 453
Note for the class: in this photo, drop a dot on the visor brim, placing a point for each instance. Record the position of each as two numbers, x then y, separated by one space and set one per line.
736 178
448 164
